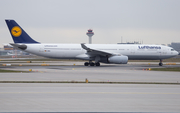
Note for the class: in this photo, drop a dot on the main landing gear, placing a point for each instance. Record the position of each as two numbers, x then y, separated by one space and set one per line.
91 63
160 63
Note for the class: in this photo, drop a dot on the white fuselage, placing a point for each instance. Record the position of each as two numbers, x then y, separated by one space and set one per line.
105 53
75 51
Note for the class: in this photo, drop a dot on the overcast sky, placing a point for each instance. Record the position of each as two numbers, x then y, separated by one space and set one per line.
67 21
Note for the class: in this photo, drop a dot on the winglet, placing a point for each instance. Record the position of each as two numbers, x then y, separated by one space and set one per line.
85 47
94 51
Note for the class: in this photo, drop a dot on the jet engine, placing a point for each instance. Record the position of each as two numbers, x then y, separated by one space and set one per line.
118 59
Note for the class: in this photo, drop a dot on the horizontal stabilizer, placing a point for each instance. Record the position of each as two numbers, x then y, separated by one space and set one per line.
18 46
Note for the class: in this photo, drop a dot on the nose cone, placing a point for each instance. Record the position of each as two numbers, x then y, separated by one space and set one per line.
176 53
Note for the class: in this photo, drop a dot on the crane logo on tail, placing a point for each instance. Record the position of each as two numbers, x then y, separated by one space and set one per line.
16 31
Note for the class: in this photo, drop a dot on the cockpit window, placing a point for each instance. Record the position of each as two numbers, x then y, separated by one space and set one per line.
172 49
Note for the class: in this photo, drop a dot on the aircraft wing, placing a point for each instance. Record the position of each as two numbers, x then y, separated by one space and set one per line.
93 52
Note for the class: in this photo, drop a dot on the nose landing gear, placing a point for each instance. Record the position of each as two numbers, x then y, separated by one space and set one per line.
160 63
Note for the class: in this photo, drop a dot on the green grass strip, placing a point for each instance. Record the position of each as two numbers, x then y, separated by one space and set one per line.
90 82
177 69
11 71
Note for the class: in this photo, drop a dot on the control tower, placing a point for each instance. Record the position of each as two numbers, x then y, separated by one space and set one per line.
90 34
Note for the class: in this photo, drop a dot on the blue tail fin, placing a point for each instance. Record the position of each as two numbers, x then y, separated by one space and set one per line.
18 34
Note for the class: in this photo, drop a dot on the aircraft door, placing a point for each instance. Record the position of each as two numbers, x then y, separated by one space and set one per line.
159 52
132 50
163 51
41 48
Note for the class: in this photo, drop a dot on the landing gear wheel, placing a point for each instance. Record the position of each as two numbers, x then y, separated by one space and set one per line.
160 64
91 64
86 64
97 64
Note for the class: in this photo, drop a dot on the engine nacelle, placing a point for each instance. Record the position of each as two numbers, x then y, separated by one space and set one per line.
118 59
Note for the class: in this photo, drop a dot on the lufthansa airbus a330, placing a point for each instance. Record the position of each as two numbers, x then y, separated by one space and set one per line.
93 53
